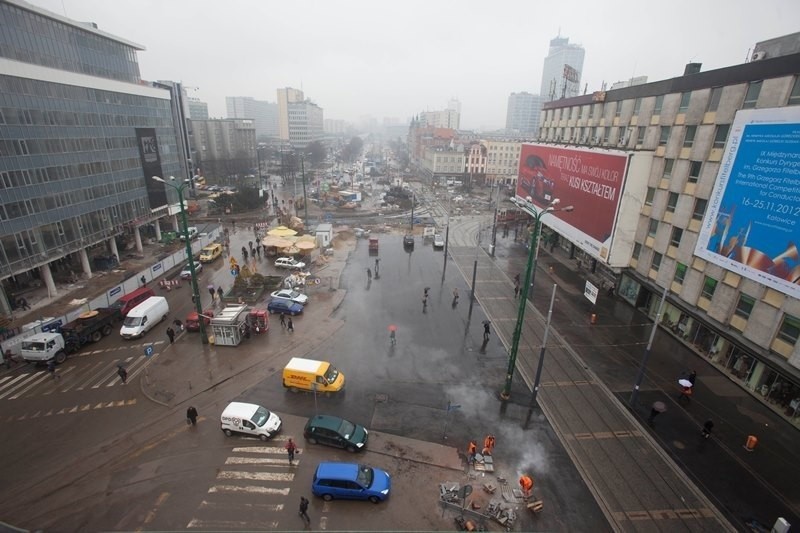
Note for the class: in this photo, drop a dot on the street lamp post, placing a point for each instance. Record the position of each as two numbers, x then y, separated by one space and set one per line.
539 367
305 198
195 292
530 272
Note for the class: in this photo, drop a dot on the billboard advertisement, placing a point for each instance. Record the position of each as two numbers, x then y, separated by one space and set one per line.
752 222
590 181
151 166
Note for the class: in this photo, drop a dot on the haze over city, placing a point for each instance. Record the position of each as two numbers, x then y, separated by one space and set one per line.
362 58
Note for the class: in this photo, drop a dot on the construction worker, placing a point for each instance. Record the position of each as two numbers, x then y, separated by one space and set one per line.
488 444
526 483
472 449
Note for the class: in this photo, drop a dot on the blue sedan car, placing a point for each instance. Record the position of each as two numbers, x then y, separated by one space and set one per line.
350 481
288 307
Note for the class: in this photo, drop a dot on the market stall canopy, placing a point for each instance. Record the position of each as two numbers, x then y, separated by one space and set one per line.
282 231
308 238
291 250
305 245
273 240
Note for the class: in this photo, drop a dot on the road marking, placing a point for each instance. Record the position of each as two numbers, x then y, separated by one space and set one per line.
117 379
258 461
227 525
12 389
151 514
260 449
33 383
255 476
250 488
57 380
113 376
228 506
96 375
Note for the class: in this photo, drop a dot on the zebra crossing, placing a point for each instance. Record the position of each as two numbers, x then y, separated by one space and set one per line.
251 491
81 376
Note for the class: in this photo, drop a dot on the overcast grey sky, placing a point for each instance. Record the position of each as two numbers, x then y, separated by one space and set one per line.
394 59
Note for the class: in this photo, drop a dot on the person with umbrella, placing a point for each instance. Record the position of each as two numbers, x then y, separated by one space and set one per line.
655 410
686 390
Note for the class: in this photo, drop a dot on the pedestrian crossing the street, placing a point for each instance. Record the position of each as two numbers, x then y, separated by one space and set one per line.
251 490
81 376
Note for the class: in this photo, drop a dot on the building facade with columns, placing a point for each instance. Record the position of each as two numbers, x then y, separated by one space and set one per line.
80 136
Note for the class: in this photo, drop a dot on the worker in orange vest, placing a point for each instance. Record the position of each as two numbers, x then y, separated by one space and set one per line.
488 445
472 449
526 483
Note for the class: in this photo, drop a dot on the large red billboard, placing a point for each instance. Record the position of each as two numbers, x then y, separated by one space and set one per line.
590 181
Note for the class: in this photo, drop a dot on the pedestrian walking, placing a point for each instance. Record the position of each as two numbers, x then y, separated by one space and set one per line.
685 394
143 280
303 512
291 447
455 296
377 265
290 325
707 427
51 367
526 484
244 253
258 251
488 444
212 291
516 290
516 279
656 409
424 302
486 330
123 374
191 415
426 291
283 320
251 245
220 292
369 273
692 377
178 324
171 335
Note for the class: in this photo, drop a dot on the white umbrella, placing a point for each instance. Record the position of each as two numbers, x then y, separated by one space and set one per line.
685 383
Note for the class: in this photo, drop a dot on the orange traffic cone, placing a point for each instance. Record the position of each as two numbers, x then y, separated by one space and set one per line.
751 443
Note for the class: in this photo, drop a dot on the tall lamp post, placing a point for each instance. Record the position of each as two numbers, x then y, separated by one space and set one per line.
305 198
530 272
195 292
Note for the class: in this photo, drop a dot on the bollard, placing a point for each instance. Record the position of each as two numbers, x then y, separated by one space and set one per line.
593 318
751 443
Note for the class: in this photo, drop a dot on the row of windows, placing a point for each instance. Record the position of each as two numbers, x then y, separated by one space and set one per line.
14 87
788 331
596 110
21 178
622 135
63 146
33 38
40 117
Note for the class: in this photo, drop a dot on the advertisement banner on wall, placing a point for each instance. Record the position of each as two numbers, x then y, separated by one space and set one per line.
590 181
752 222
151 166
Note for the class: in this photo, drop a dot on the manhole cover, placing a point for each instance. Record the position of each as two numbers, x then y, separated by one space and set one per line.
381 398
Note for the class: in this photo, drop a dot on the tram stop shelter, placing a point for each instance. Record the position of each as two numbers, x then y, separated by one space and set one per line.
229 327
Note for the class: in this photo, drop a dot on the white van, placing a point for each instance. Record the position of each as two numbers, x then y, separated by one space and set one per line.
249 419
144 317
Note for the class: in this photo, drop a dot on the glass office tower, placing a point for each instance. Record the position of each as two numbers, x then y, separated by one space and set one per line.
79 132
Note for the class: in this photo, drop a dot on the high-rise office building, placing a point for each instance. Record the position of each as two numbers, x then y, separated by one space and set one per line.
563 66
198 110
300 120
522 116
80 138
264 114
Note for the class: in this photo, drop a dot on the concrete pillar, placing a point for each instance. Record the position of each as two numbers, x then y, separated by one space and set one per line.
47 277
157 224
175 225
87 268
137 237
5 305
112 244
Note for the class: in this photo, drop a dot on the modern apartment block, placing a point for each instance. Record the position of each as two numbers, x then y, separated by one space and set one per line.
264 114
198 110
225 147
717 222
300 120
80 137
522 114
561 74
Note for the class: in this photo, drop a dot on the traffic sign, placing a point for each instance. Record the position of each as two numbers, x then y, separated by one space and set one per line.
148 350
234 272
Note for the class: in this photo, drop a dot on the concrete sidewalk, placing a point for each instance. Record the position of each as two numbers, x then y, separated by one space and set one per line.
638 486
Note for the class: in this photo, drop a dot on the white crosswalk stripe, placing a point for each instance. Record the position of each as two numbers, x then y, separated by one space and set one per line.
75 376
250 496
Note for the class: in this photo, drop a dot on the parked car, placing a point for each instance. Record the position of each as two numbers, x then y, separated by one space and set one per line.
289 262
288 307
408 241
186 273
337 432
438 241
294 296
350 481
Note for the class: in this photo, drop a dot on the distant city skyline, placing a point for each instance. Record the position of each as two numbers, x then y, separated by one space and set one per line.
355 61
